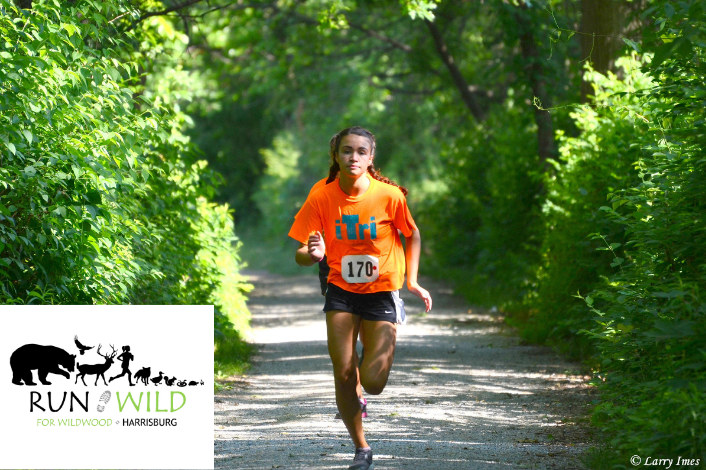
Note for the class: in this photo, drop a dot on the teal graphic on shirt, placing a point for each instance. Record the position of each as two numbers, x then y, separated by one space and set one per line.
354 229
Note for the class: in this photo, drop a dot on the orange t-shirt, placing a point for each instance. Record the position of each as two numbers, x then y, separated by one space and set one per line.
318 185
363 247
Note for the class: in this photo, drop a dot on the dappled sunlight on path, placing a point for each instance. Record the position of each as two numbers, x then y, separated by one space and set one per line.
463 393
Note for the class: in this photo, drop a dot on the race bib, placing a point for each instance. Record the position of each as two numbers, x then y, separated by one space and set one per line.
357 269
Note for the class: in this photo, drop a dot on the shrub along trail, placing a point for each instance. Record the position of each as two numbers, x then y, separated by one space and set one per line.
463 393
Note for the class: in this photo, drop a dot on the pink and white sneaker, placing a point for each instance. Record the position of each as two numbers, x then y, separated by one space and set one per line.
363 409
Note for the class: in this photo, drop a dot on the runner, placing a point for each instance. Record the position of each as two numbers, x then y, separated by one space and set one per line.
360 217
323 280
126 356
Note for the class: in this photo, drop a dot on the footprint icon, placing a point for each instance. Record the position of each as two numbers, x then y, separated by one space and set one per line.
104 399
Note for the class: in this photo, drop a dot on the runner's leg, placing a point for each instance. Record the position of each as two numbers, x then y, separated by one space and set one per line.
342 331
358 387
379 344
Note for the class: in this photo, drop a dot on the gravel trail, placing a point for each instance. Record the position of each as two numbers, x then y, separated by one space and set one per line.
463 392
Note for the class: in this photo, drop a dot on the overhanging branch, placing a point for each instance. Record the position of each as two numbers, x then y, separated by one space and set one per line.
466 94
172 9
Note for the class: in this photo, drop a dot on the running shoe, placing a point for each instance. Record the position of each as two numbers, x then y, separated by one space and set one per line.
363 408
363 460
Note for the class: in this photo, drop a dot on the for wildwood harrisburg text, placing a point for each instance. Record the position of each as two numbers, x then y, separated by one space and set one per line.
108 422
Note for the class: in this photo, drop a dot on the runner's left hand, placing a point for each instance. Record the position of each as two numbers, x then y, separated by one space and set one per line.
422 293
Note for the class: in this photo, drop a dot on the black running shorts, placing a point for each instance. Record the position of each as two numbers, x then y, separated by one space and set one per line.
378 306
323 274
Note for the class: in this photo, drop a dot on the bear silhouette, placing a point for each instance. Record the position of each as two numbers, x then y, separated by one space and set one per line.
45 359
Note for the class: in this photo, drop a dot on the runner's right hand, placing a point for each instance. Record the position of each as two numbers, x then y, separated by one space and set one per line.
316 246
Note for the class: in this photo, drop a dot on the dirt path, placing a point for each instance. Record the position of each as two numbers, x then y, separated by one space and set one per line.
463 393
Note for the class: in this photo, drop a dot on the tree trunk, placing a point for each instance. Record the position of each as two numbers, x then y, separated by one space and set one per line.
602 24
535 73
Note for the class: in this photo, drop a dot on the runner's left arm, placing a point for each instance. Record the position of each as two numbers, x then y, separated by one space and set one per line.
414 248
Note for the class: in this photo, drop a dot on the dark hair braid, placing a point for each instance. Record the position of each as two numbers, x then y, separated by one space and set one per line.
335 142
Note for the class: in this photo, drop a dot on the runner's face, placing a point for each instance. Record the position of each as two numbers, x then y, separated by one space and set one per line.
354 155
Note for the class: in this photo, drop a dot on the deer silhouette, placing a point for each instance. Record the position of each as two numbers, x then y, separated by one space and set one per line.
96 369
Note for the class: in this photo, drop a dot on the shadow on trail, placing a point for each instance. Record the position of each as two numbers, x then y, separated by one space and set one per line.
463 394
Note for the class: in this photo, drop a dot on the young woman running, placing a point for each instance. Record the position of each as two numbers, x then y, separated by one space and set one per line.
360 216
323 280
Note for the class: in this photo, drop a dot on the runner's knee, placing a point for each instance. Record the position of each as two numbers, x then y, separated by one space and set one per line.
345 375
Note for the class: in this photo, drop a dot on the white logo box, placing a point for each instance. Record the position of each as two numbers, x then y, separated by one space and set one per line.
176 340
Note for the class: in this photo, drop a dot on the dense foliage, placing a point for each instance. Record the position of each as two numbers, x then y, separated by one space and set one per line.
598 161
651 312
579 214
591 241
101 197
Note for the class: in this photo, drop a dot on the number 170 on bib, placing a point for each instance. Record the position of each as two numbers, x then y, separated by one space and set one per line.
356 269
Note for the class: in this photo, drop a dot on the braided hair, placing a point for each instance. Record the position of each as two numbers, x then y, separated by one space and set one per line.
335 142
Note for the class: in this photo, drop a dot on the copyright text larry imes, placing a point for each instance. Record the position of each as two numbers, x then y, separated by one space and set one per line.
665 463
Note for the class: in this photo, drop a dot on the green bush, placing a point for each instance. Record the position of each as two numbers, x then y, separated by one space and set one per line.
102 199
596 162
482 227
651 315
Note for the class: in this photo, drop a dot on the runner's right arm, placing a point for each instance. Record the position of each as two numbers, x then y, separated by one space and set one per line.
312 252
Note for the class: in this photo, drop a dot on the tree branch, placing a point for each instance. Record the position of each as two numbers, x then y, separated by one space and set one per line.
466 94
172 9
381 37
535 74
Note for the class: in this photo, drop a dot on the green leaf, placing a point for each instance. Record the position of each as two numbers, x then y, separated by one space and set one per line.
114 74
71 29
632 44
28 135
11 148
4 210
669 295
30 171
94 197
